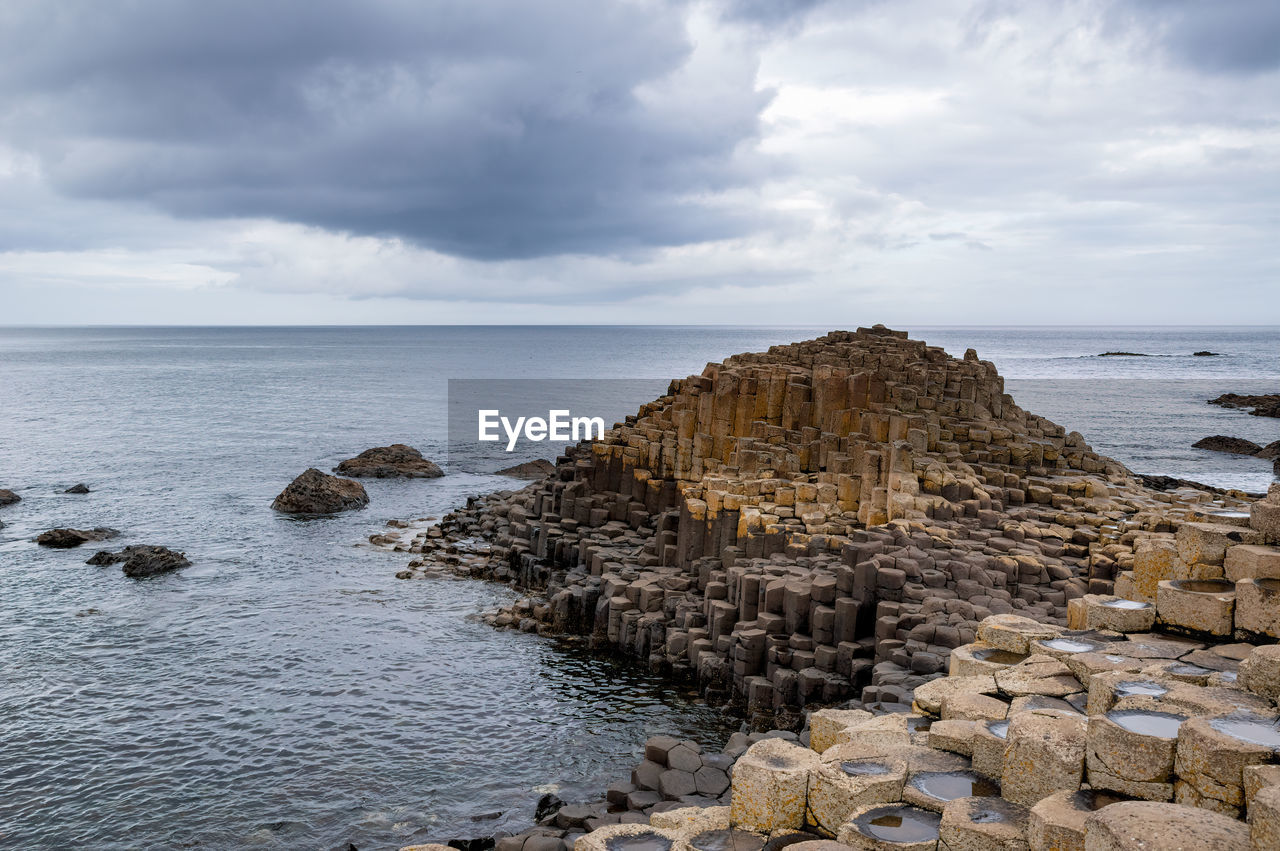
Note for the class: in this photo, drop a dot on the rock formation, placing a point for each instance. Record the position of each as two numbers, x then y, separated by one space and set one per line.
825 520
1222 443
315 492
65 539
396 461
81 488
1263 406
142 560
8 497
535 469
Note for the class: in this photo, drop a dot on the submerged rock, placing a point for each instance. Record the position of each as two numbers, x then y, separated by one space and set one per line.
1223 443
396 461
142 559
535 469
1263 406
315 492
65 539
80 488
1124 355
1205 354
8 497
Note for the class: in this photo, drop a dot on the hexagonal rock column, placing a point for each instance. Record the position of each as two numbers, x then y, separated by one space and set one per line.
1207 543
631 837
883 731
1213 753
1258 607
983 824
1115 613
1131 751
1260 671
1252 561
1045 754
771 784
1201 606
928 696
990 739
841 785
825 724
1038 675
1264 516
1264 819
1057 822
891 827
1147 825
1013 633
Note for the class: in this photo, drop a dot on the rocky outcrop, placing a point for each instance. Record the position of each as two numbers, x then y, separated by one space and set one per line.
1205 354
1222 443
65 539
536 469
81 488
1263 406
396 461
821 521
1124 355
142 560
315 492
8 497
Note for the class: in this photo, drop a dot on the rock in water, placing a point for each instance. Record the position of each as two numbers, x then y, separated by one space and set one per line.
1263 406
536 469
1270 451
80 488
65 539
1205 354
1222 443
315 492
142 559
8 497
396 461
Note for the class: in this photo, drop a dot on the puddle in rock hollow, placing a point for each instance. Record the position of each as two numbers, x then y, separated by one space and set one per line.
949 785
856 768
1068 645
998 657
727 840
1204 586
1126 604
999 729
1147 722
1255 731
647 841
1134 688
919 723
1271 585
988 816
1186 669
899 823
780 842
1092 799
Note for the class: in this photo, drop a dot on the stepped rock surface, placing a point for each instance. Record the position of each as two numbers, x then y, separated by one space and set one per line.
822 521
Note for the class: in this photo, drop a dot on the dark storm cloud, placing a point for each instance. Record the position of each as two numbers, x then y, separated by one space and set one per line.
1231 36
481 128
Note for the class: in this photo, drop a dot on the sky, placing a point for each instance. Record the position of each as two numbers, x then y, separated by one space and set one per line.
639 161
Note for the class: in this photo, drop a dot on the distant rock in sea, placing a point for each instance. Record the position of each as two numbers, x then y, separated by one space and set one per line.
65 539
315 492
80 488
536 469
142 559
396 461
1263 406
1124 355
1222 443
8 497
1205 354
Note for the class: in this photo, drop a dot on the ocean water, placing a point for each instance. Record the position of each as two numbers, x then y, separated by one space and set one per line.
285 691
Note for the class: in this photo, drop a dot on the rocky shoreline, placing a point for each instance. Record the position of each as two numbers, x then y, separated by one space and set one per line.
843 522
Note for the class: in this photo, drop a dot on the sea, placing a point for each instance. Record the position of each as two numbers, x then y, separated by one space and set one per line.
286 691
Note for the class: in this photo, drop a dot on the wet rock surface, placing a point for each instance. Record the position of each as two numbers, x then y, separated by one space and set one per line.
142 559
63 539
314 492
1267 405
397 461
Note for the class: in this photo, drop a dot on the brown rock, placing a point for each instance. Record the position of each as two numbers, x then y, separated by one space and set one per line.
396 461
1150 826
315 492
64 539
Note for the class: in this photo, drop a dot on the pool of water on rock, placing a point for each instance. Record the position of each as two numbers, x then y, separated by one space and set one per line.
900 823
1164 725
1256 731
949 785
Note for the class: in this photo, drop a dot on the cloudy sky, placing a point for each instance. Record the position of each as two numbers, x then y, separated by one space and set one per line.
655 161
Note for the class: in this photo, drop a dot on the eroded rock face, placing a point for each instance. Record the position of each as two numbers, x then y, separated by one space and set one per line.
65 539
315 492
142 560
396 461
